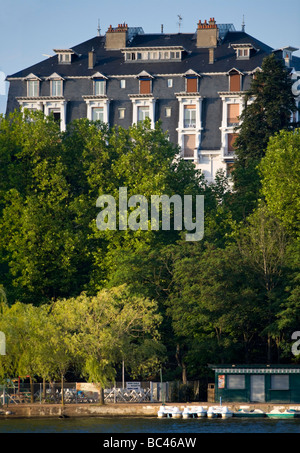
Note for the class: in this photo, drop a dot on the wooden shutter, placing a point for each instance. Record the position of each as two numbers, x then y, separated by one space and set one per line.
233 111
191 84
145 86
231 140
235 82
189 145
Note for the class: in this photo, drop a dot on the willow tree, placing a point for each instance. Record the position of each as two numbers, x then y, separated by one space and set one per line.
111 326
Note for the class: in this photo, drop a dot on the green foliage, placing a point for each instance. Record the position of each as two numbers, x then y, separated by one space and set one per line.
280 172
268 106
83 299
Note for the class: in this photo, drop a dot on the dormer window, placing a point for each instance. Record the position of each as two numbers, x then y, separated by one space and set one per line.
64 55
56 85
145 85
243 51
64 58
191 82
32 88
153 53
235 80
33 85
99 87
99 84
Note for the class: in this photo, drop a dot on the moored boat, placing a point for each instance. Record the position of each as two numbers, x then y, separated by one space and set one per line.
194 412
287 413
253 413
219 411
169 412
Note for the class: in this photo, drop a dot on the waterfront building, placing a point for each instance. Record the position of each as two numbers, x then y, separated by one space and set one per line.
257 383
192 82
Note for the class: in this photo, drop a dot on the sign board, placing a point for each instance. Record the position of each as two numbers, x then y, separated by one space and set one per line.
87 387
133 386
221 381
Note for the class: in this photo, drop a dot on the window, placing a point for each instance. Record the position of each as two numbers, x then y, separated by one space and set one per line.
145 86
189 145
231 139
121 113
33 88
168 112
170 83
56 114
192 84
280 382
143 113
97 114
64 58
233 112
235 81
99 87
123 83
56 88
243 53
189 116
236 381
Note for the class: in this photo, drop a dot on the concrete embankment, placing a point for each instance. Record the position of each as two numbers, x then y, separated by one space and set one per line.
111 410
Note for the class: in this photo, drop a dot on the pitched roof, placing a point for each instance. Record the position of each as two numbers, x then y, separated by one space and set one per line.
111 62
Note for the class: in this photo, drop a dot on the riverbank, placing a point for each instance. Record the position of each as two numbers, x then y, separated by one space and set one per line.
116 410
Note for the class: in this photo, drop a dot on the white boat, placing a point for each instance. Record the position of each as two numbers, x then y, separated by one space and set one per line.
169 411
201 412
219 411
162 412
194 412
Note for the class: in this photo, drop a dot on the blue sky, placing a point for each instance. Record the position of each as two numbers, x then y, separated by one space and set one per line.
30 29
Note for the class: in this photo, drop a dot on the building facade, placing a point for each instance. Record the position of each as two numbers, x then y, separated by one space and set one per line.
257 383
193 83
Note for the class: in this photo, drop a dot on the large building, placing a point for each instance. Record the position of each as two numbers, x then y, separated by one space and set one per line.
192 82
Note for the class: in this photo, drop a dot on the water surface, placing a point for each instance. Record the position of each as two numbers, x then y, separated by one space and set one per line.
148 425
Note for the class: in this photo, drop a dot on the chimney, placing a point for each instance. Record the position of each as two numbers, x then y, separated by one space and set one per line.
162 28
211 55
92 59
116 37
207 34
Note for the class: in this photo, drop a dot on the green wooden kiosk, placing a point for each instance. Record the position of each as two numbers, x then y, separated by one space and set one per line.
257 383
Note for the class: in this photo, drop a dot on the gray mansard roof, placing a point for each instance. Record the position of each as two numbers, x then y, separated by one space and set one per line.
111 62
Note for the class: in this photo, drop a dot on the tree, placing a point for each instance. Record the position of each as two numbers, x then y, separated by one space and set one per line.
110 327
280 173
263 244
268 106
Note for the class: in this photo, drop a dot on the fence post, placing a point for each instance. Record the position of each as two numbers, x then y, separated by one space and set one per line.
151 391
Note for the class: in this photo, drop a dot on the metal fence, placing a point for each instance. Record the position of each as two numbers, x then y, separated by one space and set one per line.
82 393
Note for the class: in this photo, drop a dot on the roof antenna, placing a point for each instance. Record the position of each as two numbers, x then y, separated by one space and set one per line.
179 22
98 29
243 24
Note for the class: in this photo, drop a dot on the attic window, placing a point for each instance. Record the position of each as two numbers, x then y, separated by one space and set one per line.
64 58
243 51
154 53
64 55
